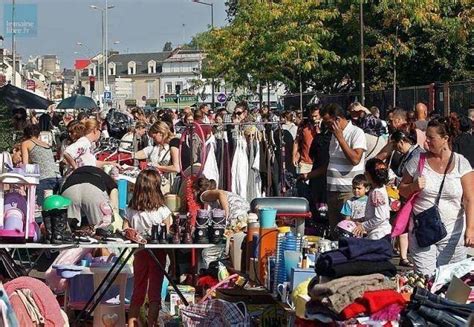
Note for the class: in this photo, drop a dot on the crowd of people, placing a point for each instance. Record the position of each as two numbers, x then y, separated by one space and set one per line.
343 161
356 184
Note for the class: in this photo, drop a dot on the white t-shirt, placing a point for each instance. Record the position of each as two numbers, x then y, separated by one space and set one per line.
377 214
142 221
82 151
450 204
340 170
158 154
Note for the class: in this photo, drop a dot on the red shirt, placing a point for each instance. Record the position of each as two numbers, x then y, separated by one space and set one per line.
304 137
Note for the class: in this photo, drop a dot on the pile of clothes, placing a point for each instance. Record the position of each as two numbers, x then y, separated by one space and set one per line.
355 281
357 257
348 297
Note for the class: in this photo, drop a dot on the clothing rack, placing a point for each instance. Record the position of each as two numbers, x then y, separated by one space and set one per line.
279 135
240 124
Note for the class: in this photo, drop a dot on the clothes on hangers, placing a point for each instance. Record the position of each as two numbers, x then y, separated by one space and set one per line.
240 168
223 159
211 170
254 185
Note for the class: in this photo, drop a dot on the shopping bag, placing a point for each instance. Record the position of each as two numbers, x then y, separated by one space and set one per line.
216 313
403 216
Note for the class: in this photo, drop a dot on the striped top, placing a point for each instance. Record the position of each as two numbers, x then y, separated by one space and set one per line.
340 170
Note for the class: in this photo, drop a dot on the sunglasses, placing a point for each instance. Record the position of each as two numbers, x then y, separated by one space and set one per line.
239 112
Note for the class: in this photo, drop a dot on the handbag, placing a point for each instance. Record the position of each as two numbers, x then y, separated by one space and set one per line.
403 215
215 313
429 229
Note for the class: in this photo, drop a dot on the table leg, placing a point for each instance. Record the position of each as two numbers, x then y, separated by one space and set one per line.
42 251
172 283
106 282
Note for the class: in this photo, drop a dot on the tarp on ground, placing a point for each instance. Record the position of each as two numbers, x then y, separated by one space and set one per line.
15 97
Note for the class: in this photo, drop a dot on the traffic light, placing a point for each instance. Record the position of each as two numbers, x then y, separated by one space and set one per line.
178 89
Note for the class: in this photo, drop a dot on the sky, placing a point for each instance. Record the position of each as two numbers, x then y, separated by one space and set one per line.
137 26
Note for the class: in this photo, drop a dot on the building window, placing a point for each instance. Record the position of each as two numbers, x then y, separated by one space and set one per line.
132 68
152 67
112 68
92 70
169 88
180 86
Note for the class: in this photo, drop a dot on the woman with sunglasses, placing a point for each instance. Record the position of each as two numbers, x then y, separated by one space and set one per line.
406 145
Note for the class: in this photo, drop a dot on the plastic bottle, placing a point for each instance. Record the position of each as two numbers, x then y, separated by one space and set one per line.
222 272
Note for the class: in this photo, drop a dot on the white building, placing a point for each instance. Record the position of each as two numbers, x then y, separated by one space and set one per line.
180 69
6 68
148 79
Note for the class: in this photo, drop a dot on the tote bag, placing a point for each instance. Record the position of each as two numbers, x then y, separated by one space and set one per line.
403 216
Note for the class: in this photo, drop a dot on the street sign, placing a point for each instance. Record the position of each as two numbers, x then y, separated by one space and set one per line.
221 98
107 95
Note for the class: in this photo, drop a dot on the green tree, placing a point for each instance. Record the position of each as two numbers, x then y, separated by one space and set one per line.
6 127
168 46
317 42
270 41
425 41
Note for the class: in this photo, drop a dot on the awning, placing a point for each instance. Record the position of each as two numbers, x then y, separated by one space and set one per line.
15 97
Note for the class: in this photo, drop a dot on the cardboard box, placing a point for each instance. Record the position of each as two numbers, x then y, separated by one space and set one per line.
175 301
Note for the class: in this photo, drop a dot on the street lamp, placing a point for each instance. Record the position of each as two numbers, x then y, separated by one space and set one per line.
104 13
210 4
89 51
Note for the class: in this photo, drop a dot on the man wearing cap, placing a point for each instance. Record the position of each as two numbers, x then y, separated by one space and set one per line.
372 127
363 118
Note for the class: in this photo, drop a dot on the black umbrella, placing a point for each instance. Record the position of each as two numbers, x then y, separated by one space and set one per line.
15 98
77 102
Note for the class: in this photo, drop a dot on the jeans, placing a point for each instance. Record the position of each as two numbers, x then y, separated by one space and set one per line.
440 317
425 298
427 307
45 184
